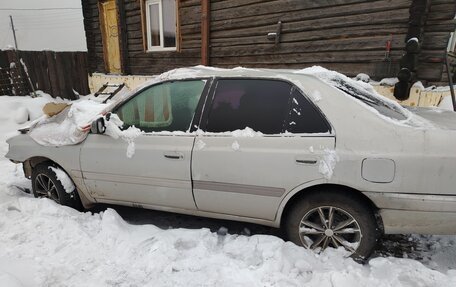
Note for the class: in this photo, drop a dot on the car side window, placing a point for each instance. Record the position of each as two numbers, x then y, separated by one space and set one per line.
261 105
304 117
169 106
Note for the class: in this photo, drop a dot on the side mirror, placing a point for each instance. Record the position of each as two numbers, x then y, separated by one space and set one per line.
98 126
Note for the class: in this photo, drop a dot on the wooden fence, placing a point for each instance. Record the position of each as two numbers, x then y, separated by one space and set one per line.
61 74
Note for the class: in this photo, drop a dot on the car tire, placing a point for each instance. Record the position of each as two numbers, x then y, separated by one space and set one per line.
304 223
46 184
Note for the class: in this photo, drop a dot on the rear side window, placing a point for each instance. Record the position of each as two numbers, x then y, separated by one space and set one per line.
267 106
304 117
262 105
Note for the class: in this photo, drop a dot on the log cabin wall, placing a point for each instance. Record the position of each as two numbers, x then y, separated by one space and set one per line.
348 36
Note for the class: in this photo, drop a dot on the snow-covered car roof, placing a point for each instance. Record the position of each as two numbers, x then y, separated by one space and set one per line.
354 90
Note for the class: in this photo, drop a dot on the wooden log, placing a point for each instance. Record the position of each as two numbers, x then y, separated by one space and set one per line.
224 5
311 57
189 3
387 30
191 29
190 15
444 11
435 40
430 71
361 43
278 6
324 13
384 17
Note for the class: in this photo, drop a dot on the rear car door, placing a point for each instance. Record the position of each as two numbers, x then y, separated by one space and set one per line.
158 173
245 173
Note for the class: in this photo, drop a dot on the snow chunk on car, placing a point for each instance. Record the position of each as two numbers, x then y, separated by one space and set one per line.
69 127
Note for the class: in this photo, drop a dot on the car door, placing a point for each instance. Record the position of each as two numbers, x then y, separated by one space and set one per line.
158 172
279 141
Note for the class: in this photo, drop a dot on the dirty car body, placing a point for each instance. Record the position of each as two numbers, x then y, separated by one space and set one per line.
317 136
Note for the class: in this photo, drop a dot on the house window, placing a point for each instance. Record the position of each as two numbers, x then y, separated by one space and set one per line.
161 25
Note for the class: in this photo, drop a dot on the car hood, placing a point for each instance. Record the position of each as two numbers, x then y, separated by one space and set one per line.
440 118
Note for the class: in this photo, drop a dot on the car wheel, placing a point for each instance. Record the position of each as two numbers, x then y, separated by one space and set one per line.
332 219
46 184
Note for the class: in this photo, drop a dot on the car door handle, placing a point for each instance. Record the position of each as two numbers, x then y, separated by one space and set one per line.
310 161
174 155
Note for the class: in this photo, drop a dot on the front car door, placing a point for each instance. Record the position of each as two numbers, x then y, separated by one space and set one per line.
158 172
246 173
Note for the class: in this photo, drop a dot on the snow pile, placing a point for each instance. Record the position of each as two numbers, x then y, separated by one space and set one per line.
328 163
440 253
247 132
446 103
21 115
440 88
15 111
418 85
64 179
60 246
244 133
389 82
363 77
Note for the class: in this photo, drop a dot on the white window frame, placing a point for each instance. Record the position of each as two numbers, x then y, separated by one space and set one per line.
151 48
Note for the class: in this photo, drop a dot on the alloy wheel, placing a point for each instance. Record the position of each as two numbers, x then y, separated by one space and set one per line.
45 187
329 226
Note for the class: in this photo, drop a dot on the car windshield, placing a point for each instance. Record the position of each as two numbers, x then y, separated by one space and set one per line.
383 107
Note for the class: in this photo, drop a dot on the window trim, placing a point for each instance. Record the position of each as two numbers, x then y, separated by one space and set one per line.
211 94
146 26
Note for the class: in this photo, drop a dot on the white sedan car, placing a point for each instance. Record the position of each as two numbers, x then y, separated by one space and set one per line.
313 152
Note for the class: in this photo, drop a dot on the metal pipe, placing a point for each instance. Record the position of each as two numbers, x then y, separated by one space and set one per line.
205 32
14 32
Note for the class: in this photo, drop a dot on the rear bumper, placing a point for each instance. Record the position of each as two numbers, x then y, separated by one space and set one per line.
416 213
420 222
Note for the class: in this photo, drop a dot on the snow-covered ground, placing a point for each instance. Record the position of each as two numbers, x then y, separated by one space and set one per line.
44 244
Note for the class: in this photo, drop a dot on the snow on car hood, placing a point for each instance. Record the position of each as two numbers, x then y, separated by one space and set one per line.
69 127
